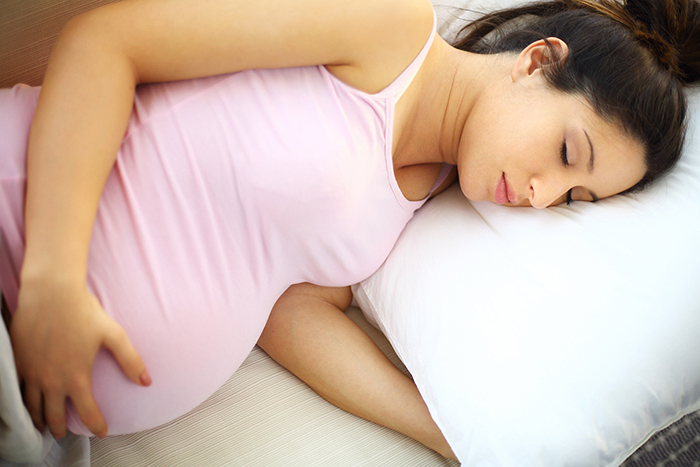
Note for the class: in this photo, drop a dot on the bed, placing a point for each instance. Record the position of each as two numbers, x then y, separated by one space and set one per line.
263 416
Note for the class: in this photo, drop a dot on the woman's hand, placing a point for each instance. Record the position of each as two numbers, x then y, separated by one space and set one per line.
56 333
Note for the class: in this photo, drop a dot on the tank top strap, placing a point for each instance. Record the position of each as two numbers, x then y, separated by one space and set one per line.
442 176
401 83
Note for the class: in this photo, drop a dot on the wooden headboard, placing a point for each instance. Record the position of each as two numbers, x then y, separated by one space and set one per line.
28 30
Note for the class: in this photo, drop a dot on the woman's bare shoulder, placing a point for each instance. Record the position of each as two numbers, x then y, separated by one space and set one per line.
396 33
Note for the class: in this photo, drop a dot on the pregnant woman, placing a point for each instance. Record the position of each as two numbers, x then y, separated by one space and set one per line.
270 157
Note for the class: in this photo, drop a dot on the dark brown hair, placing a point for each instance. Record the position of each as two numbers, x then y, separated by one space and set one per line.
629 60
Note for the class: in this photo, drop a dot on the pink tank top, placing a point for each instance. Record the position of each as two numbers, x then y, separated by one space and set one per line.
226 191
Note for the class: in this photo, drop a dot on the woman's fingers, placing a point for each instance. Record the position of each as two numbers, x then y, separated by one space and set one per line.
117 342
35 406
55 412
89 412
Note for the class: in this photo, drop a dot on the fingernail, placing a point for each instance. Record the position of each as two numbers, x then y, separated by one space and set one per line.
145 378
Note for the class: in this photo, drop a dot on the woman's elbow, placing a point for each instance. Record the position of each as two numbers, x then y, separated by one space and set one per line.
90 45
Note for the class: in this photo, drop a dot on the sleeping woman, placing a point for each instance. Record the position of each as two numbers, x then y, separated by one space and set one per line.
190 181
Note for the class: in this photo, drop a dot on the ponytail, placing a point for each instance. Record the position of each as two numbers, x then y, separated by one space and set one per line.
671 30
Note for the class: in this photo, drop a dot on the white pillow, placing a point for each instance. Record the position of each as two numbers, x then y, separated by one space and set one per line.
560 337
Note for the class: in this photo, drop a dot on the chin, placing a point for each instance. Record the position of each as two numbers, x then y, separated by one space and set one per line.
471 196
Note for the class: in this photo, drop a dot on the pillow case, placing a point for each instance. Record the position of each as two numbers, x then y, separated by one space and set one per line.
561 337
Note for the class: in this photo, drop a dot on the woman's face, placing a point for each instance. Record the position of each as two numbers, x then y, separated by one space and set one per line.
528 144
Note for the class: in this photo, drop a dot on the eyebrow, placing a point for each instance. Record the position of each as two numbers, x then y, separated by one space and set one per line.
591 161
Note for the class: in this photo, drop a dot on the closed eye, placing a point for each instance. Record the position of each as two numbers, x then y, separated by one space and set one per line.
563 153
565 161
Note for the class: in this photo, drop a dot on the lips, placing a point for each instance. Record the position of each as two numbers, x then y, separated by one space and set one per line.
504 192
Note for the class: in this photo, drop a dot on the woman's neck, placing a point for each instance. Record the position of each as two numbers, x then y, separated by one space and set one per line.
434 110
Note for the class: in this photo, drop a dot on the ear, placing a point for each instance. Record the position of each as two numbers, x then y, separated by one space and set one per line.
538 55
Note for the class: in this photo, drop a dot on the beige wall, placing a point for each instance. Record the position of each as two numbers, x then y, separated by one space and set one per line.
28 29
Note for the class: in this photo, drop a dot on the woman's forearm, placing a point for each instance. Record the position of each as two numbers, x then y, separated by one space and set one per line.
308 334
80 121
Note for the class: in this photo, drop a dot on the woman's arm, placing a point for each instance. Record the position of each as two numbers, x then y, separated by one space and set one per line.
101 56
308 334
58 327
80 121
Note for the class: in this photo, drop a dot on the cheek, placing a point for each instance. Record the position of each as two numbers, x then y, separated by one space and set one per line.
558 201
618 179
473 168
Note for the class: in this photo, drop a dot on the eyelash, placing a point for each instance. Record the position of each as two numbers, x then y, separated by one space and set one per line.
565 161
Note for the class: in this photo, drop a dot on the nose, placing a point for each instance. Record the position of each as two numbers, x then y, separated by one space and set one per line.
544 193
